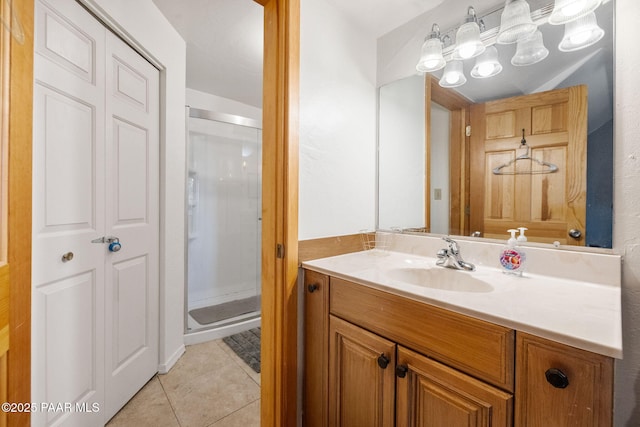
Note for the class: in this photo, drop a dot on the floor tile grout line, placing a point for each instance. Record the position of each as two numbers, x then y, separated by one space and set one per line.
231 413
237 360
173 410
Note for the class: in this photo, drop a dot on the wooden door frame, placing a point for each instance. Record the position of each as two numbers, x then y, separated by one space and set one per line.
20 159
279 376
459 177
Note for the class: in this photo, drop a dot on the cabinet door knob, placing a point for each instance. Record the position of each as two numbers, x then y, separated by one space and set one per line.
313 287
557 378
401 371
383 361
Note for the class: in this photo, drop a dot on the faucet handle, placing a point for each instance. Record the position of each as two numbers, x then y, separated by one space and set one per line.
453 246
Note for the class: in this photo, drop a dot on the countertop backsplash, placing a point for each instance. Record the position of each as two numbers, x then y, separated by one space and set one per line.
564 263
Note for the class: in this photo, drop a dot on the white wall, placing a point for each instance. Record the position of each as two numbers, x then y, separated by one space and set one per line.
142 24
440 170
626 202
337 123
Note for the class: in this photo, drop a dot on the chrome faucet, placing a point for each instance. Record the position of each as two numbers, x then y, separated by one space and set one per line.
450 257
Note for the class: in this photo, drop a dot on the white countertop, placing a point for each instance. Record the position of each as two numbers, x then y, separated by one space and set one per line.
580 314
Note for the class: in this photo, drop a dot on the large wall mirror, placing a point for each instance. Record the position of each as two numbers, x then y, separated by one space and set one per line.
450 158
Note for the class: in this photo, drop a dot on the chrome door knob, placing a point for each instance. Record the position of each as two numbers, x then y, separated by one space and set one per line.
575 233
115 246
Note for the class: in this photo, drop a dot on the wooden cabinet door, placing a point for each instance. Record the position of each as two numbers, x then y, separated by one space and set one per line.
430 394
586 400
361 377
316 350
522 194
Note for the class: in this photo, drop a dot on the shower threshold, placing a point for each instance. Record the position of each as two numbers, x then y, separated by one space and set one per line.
227 310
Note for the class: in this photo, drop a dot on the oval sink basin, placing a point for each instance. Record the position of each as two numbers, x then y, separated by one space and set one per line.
444 279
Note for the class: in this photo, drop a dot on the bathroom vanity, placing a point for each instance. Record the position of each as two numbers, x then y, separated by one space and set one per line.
392 339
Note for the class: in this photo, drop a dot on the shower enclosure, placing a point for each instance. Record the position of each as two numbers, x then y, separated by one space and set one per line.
223 210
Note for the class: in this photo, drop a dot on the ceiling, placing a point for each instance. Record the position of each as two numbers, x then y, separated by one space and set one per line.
224 38
224 45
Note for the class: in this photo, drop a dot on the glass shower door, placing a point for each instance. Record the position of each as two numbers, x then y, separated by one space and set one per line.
224 224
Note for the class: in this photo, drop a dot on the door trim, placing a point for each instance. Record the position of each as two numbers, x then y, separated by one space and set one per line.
279 399
459 180
20 159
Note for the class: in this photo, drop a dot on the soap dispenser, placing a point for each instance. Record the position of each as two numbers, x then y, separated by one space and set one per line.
522 238
512 257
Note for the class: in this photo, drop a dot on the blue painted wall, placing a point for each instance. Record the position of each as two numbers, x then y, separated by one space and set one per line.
600 186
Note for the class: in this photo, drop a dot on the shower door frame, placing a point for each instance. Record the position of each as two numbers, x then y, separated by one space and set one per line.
232 119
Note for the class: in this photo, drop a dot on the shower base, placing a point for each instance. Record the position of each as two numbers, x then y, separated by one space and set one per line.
227 310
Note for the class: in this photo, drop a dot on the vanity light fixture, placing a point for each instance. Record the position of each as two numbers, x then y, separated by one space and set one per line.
530 50
468 43
581 33
453 75
565 11
517 25
431 58
515 22
487 64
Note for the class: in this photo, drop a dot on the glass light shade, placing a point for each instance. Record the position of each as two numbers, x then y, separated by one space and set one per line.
453 75
431 58
468 44
568 10
515 22
530 50
581 33
487 64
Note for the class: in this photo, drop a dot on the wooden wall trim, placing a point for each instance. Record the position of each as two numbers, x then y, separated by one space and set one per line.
20 159
279 344
448 98
329 246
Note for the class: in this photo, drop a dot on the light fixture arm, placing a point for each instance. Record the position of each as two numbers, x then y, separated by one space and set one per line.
471 15
435 31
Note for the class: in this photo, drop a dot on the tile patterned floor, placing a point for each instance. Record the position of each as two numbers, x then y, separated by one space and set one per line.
210 386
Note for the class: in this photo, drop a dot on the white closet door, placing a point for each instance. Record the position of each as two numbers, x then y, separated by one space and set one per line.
68 212
95 172
132 216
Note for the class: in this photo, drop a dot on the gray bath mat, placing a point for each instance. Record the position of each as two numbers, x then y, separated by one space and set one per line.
247 346
216 313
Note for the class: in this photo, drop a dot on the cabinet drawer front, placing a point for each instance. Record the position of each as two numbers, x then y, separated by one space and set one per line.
481 349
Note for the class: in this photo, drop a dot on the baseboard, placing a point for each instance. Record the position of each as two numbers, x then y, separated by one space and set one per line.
164 368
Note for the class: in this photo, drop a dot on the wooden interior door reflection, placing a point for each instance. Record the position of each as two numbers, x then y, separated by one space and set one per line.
525 193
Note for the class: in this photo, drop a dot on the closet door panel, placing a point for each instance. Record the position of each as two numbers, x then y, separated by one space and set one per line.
132 215
68 213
